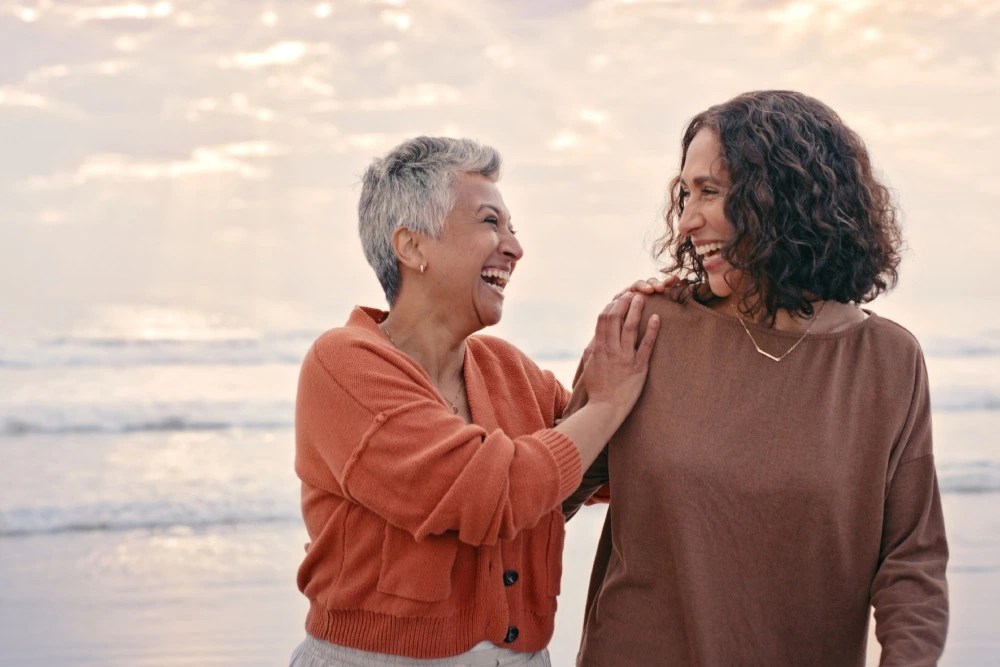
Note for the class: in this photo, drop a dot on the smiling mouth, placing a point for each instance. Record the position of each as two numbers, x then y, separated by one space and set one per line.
495 278
708 249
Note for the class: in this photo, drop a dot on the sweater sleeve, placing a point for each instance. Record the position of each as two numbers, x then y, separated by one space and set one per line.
371 421
909 591
595 479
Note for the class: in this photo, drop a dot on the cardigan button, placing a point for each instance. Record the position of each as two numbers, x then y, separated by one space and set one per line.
510 577
512 633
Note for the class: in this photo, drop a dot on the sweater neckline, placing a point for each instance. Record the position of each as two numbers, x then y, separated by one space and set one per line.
777 333
476 392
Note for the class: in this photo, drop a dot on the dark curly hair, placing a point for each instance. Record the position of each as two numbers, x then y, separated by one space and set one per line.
811 219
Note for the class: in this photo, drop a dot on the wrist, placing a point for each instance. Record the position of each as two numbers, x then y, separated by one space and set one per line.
608 410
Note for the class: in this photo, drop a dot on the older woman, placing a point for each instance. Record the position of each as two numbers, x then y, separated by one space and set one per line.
432 472
776 478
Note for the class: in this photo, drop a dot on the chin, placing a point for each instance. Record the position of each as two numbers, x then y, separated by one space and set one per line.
490 318
719 287
721 284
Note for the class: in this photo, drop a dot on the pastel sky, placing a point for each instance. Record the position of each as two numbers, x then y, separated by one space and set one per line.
192 166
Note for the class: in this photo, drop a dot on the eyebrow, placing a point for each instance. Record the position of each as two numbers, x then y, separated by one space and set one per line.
701 180
495 210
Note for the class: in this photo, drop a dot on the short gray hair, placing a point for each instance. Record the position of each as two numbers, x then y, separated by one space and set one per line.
412 187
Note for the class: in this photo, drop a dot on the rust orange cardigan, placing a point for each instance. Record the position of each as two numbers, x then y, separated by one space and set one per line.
428 534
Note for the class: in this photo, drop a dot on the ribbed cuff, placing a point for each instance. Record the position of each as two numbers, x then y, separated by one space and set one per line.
567 458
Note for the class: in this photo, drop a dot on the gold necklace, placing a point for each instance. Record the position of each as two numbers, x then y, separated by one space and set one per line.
789 350
461 383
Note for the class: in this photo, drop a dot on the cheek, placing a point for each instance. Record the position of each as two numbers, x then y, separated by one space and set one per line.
720 221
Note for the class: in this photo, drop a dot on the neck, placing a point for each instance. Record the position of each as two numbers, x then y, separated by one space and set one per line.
429 339
833 317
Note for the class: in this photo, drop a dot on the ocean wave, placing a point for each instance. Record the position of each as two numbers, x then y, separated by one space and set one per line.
21 521
276 347
136 416
965 399
985 344
978 476
263 501
288 347
133 418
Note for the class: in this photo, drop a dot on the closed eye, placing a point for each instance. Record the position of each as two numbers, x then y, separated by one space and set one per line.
496 223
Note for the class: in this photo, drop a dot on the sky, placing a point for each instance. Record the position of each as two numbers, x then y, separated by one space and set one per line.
190 169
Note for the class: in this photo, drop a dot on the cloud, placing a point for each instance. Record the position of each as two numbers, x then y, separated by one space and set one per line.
11 96
203 161
236 104
131 10
282 53
418 95
401 21
64 71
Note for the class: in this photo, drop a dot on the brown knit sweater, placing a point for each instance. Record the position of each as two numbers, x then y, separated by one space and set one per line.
758 509
429 535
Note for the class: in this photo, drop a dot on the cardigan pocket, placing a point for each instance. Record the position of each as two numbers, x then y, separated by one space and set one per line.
417 570
541 565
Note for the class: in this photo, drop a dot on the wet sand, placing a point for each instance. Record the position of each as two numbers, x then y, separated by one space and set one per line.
227 596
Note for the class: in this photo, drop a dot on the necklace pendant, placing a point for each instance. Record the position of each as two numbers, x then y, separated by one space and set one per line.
770 356
454 408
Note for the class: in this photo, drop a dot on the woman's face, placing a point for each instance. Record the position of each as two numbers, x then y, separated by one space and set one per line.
476 254
704 184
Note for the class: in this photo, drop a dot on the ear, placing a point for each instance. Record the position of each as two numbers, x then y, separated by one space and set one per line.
406 243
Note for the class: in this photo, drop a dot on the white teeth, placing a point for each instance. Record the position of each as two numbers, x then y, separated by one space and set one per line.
500 277
703 250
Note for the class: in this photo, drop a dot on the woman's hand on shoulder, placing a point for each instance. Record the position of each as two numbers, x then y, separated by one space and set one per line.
649 286
618 355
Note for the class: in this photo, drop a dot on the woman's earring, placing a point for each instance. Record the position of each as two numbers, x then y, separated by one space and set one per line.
421 269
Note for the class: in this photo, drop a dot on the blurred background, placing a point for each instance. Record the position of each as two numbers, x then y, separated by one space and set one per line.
178 186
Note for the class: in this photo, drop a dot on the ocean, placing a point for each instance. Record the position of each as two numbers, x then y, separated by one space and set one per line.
147 493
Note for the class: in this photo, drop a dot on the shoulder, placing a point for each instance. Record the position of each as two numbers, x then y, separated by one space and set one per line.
493 350
505 361
339 343
676 303
895 344
893 332
353 350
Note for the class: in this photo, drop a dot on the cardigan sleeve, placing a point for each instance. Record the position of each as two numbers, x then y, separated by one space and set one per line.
909 591
594 487
366 417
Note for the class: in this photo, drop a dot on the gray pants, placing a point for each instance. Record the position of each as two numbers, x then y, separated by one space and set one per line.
314 652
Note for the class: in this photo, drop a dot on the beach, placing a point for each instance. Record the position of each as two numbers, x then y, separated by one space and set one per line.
226 595
149 510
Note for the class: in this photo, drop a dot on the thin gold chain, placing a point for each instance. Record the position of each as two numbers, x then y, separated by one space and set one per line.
768 354
461 380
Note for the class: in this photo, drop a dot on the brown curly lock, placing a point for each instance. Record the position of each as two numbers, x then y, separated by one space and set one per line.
811 220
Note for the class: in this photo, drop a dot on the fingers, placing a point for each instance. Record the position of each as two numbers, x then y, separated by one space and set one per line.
651 286
647 287
620 308
630 328
601 331
618 324
648 340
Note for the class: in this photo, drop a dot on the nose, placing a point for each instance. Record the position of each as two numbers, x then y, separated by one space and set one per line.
689 221
511 247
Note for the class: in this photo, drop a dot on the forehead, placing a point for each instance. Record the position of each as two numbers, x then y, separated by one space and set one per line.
475 191
704 157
